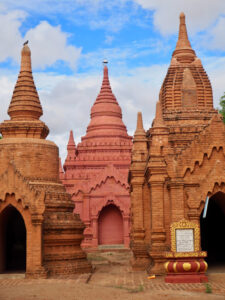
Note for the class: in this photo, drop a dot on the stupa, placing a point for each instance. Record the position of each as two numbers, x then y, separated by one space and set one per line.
178 163
38 231
96 172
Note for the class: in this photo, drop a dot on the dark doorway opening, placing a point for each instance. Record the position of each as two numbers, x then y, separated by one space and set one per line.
13 241
212 230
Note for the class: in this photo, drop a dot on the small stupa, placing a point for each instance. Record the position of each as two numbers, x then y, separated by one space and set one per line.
38 231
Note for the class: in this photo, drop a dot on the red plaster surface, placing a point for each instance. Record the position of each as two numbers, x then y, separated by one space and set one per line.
110 226
96 170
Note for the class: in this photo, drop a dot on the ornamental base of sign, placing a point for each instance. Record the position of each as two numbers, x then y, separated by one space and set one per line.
184 278
186 270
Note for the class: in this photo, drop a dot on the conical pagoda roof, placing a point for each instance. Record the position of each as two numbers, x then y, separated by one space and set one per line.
186 88
25 107
25 103
106 115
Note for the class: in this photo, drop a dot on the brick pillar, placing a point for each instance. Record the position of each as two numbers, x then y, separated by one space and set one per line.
86 220
141 259
177 201
126 229
95 231
158 233
35 268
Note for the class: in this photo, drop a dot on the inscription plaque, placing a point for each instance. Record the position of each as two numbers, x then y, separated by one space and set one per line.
184 240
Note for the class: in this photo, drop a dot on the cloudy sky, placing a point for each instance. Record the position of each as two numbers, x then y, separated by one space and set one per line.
69 39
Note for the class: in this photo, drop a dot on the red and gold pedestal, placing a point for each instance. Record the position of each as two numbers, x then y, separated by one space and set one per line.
186 267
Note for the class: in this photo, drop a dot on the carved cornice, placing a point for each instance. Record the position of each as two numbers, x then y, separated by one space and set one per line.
12 182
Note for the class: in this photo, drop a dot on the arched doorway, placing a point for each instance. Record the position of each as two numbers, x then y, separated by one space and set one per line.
110 226
12 240
212 230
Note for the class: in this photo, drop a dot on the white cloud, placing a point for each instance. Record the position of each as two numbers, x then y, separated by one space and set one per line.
111 15
109 39
201 14
48 43
10 35
215 37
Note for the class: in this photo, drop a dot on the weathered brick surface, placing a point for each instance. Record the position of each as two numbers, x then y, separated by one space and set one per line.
30 183
177 162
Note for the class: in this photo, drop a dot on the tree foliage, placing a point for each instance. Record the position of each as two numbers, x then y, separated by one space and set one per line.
222 104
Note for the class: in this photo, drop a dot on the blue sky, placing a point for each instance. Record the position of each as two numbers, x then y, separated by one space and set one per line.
70 38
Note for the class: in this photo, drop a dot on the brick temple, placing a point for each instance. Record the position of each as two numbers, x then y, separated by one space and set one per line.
178 163
96 172
38 232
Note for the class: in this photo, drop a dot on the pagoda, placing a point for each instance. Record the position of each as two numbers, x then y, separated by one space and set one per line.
38 232
178 164
96 173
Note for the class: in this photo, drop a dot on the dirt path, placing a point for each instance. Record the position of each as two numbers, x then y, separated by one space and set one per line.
112 279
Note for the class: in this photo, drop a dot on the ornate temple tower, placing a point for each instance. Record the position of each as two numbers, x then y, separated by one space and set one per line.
38 231
177 163
96 173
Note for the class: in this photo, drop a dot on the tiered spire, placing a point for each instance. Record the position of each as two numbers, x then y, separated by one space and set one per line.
158 121
106 93
25 107
25 103
183 51
71 147
106 114
139 132
186 87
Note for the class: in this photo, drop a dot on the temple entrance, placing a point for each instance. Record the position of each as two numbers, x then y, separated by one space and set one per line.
12 241
212 230
110 226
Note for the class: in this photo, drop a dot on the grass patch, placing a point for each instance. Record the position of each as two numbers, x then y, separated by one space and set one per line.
95 257
139 289
208 288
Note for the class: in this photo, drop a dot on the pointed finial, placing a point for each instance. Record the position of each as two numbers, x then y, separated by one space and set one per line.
71 143
140 128
105 91
25 43
71 147
183 50
25 103
158 121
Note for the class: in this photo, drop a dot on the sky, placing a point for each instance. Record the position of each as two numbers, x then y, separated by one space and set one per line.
69 39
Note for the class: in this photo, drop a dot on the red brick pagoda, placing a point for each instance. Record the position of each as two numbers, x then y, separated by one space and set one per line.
38 232
178 164
96 172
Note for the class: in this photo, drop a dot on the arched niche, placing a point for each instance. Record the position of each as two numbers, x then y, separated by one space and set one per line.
212 229
110 226
13 236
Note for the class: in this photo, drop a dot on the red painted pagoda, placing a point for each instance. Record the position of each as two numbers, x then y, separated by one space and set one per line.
96 172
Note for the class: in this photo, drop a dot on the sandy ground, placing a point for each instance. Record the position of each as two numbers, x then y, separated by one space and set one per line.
112 279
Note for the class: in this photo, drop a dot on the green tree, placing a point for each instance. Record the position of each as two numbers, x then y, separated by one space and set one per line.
222 104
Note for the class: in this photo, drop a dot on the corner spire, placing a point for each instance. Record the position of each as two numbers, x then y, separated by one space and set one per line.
158 122
183 51
139 129
71 144
25 103
71 147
